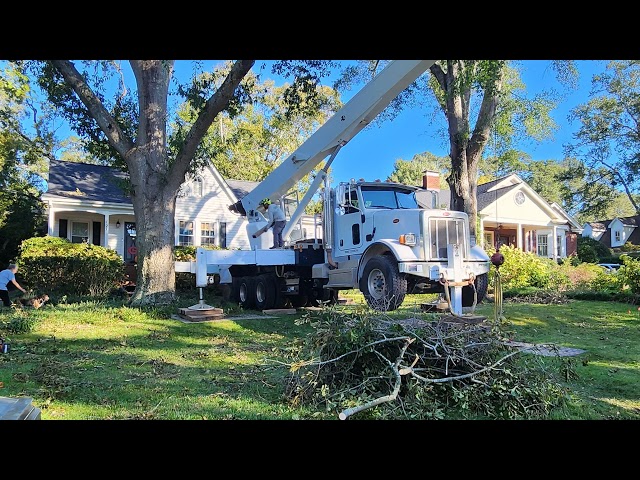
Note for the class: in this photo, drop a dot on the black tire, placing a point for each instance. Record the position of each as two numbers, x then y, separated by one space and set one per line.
299 301
327 296
281 299
234 296
265 294
247 292
382 285
481 283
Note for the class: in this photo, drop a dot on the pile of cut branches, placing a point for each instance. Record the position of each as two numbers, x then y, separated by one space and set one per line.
420 367
547 297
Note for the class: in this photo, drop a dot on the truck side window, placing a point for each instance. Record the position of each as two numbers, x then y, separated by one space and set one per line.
351 202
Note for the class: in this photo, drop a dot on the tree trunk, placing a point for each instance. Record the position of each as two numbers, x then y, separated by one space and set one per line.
155 228
154 190
466 145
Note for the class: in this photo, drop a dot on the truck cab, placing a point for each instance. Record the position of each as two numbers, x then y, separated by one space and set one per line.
386 244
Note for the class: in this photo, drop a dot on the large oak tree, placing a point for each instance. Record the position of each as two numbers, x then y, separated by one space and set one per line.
134 132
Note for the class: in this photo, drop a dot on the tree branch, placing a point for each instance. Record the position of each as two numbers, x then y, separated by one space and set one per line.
214 105
387 398
117 139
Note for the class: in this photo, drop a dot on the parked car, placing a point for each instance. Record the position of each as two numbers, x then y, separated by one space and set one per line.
609 267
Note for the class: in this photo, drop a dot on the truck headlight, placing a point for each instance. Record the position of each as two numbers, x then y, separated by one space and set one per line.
408 239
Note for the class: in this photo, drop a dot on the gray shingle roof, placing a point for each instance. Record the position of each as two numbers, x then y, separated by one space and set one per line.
486 198
105 184
241 187
87 182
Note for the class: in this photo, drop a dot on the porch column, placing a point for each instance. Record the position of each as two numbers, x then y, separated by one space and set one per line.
106 230
555 240
519 237
482 233
51 221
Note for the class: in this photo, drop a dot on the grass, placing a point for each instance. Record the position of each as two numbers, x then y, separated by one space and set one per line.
103 360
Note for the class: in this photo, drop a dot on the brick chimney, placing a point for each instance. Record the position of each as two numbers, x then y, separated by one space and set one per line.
431 180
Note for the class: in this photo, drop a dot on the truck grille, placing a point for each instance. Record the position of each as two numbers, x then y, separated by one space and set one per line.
443 231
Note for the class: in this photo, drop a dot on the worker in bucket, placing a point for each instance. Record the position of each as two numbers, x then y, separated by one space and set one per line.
276 220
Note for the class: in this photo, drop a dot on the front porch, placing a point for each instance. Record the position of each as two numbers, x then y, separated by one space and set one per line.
547 241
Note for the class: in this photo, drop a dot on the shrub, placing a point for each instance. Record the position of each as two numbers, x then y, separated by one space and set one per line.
630 247
591 250
524 269
188 253
629 274
51 264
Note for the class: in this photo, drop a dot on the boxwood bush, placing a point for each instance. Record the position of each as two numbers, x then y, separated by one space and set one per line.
55 265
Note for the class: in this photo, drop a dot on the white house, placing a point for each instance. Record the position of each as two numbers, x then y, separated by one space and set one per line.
614 233
512 213
88 203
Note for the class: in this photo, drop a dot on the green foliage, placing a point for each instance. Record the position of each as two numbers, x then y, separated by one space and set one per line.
51 264
629 274
607 139
591 250
524 269
409 172
18 322
21 164
187 253
630 247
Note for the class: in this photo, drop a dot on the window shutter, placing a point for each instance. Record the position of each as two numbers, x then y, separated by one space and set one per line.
62 228
97 229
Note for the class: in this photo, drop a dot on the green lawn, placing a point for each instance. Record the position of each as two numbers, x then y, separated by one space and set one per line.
104 360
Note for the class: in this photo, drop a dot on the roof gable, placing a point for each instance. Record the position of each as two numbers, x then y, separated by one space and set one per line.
490 192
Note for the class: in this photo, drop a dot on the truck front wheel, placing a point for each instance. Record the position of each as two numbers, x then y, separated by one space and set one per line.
382 285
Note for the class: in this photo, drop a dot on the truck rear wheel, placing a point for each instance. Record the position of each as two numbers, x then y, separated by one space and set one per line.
382 285
246 292
481 283
266 294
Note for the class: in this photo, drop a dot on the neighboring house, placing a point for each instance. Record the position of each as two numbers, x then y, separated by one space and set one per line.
614 233
88 203
512 213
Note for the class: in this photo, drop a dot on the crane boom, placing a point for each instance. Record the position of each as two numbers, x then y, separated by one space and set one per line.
347 122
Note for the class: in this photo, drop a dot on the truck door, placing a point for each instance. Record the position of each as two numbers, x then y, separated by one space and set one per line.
348 221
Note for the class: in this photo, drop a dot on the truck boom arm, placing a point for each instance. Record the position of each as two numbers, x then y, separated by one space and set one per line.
347 122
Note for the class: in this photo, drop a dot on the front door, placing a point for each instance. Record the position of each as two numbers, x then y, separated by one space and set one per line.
130 248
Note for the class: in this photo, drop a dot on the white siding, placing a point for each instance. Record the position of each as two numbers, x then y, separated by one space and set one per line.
213 206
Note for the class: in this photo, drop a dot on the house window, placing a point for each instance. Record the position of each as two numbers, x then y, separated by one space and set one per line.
559 246
185 236
197 188
488 239
207 233
222 234
618 236
543 245
80 232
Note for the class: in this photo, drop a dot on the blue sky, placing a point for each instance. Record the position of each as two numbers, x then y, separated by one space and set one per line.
371 154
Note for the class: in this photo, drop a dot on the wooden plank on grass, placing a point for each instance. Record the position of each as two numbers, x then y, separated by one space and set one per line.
280 311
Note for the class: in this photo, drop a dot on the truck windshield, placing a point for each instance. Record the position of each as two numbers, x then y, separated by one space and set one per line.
388 198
